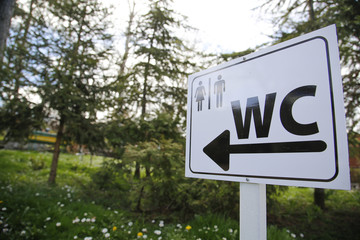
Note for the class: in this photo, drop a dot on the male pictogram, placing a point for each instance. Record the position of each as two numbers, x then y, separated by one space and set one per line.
200 95
219 88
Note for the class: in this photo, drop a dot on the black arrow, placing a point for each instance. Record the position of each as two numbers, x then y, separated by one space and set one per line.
219 149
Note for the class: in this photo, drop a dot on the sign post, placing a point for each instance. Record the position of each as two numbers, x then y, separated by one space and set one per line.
252 211
275 116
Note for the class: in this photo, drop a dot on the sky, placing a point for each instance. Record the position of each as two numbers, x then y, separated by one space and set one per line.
223 26
226 25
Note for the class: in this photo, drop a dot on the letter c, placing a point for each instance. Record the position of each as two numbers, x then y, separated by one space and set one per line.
287 119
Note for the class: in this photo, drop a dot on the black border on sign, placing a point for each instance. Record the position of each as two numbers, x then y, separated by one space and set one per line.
332 109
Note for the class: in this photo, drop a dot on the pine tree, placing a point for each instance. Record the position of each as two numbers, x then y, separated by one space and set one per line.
72 47
19 115
157 79
158 76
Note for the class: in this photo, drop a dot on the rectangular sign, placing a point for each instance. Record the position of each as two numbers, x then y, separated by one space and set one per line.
275 116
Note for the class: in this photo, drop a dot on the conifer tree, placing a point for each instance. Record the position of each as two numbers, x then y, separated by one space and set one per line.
157 79
72 47
19 115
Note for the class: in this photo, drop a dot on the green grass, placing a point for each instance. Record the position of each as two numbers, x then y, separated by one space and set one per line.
31 209
294 210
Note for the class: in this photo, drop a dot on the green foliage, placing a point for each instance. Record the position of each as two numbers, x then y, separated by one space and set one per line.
216 226
56 54
229 56
19 115
275 233
19 118
295 211
75 84
157 78
37 163
31 209
162 188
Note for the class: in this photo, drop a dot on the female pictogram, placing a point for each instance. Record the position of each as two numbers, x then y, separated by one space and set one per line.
219 88
200 95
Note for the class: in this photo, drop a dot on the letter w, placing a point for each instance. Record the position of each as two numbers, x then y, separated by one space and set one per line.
262 126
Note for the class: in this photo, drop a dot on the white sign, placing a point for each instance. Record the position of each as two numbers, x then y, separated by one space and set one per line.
275 117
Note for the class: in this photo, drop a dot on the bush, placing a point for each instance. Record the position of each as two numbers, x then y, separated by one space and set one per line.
162 187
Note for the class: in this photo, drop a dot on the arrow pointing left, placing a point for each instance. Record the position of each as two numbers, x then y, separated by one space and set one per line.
219 149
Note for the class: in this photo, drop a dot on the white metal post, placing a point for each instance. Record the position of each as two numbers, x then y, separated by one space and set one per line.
252 211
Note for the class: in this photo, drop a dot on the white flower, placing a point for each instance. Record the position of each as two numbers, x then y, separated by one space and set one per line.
161 224
62 205
230 230
145 236
107 235
293 235
301 235
85 214
93 219
116 212
87 238
3 209
37 194
88 220
179 225
75 237
58 224
157 232
104 230
144 230
5 230
83 220
76 220
48 219
224 238
130 224
23 232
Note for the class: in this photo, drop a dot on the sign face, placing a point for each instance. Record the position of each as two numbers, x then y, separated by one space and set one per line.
275 116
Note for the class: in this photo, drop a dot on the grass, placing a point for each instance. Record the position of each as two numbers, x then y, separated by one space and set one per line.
294 210
31 209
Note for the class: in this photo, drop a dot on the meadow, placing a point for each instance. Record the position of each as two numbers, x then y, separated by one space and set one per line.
31 209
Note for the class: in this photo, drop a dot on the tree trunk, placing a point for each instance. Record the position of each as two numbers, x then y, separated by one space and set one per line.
311 10
319 197
6 13
56 153
128 35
